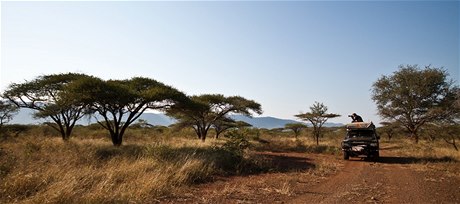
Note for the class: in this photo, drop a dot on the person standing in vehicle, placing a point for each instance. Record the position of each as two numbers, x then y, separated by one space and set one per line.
356 118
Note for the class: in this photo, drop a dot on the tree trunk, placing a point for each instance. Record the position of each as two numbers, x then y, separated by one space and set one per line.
196 131
68 132
116 139
61 130
415 136
65 137
203 133
317 134
203 137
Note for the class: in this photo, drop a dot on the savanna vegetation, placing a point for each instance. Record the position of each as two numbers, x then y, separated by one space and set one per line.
158 162
38 166
121 159
414 98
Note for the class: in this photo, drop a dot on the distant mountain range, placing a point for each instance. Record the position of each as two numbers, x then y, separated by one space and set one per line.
25 117
272 122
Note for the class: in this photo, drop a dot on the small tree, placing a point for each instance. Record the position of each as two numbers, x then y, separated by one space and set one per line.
121 102
317 117
226 123
7 110
201 112
295 127
44 94
413 97
390 129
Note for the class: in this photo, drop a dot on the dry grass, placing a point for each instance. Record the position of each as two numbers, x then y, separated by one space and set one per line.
427 155
37 168
301 144
44 169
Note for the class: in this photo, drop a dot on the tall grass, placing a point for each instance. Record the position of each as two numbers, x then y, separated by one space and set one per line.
46 169
38 167
427 155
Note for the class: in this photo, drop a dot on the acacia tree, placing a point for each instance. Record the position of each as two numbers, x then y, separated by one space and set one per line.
44 95
317 117
7 110
203 111
295 127
414 97
121 102
226 123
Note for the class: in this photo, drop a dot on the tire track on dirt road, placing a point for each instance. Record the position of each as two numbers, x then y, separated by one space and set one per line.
305 178
389 181
333 188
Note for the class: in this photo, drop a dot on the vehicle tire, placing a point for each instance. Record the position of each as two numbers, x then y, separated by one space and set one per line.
346 156
375 156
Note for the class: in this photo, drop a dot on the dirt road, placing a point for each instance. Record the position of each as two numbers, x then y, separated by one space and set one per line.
391 180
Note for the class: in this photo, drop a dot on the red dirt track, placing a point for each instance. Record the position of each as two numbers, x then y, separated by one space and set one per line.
316 178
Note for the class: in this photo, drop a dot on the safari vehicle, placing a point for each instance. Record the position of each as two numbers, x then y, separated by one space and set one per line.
361 141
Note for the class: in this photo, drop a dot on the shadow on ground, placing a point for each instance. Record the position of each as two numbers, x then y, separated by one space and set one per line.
287 162
415 160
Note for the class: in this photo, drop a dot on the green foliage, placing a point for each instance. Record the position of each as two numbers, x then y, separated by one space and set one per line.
226 123
45 95
203 111
413 97
121 102
236 143
317 117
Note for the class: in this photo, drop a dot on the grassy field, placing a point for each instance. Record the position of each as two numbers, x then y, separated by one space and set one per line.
38 167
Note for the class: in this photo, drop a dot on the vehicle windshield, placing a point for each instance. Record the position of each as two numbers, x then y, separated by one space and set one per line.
360 133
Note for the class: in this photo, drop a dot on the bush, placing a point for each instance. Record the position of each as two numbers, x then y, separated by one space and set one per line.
236 142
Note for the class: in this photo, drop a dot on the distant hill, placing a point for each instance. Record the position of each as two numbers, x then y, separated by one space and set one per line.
264 122
272 122
25 117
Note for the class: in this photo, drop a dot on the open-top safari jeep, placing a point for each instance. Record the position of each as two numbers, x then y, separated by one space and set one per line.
361 141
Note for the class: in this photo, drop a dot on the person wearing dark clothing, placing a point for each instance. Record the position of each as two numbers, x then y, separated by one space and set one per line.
356 118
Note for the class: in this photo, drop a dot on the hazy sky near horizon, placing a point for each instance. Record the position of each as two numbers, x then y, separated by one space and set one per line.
284 55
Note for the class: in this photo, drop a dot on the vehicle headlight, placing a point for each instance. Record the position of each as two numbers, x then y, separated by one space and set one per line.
374 144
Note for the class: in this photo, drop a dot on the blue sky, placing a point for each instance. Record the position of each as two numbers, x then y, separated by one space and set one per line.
284 55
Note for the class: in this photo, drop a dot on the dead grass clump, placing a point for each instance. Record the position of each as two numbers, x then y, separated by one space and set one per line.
325 168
